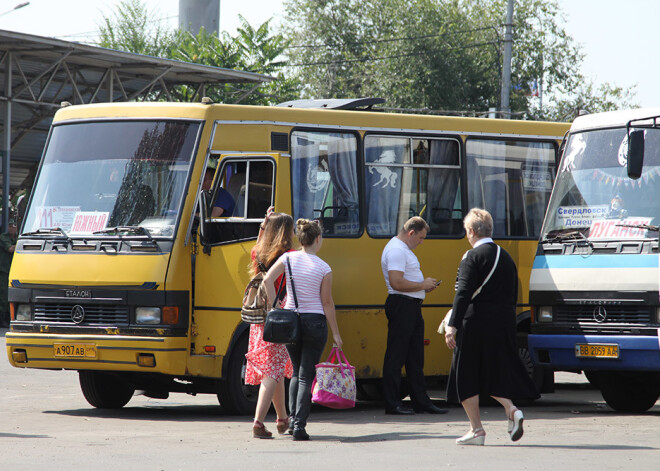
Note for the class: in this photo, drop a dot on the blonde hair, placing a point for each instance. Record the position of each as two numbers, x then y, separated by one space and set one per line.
307 231
276 239
480 221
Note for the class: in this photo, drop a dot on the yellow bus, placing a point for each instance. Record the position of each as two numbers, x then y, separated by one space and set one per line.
121 273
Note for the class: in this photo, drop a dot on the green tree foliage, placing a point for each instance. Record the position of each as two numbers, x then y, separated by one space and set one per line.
132 28
251 50
439 54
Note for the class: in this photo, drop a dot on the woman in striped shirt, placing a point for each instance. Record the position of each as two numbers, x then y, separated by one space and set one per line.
312 278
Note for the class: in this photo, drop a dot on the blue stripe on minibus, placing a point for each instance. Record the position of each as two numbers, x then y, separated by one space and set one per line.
597 261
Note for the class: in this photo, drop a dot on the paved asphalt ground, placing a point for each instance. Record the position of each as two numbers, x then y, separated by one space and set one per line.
46 424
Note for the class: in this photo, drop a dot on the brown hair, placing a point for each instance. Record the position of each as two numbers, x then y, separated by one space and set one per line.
480 221
307 231
416 224
276 239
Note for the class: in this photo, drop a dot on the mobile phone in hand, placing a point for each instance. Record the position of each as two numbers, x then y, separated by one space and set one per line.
437 283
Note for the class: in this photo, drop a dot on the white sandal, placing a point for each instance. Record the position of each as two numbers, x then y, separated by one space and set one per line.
516 425
473 437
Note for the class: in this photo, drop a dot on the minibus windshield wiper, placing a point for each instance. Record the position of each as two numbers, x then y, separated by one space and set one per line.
48 231
648 227
138 230
568 236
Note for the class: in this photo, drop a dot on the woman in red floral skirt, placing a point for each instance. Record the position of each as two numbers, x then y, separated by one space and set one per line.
268 363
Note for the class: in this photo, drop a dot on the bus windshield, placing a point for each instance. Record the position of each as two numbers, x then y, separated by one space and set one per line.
96 176
593 196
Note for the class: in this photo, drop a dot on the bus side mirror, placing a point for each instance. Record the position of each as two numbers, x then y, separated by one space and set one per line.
635 153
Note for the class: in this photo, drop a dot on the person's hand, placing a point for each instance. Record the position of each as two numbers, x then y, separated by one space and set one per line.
269 211
429 284
450 336
338 341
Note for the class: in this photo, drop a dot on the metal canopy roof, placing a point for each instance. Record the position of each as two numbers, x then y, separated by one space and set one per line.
38 73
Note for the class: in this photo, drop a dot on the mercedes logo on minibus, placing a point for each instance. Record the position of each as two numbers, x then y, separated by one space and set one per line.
600 314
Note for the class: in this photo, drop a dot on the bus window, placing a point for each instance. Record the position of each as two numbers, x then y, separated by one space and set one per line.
121 174
324 180
412 177
244 190
512 180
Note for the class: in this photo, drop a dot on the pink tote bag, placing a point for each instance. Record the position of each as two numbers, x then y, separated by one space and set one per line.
334 384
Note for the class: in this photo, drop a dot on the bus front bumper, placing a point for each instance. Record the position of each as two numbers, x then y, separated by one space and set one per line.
97 352
595 352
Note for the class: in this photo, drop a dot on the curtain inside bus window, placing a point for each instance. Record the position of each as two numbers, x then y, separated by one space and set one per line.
412 177
324 180
344 212
384 182
512 180
445 216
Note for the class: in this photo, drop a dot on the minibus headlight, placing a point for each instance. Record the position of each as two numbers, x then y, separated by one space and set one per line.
544 314
657 315
147 315
23 312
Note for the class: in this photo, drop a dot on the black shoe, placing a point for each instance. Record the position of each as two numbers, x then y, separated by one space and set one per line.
431 409
400 410
300 435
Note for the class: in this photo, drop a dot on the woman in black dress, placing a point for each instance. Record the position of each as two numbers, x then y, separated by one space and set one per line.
482 332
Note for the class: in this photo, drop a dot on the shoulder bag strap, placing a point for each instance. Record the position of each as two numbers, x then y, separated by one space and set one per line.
293 286
280 293
492 270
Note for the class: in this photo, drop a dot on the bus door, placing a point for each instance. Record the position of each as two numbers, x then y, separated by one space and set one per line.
242 191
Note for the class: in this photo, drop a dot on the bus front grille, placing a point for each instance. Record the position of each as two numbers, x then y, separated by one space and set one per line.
94 314
603 315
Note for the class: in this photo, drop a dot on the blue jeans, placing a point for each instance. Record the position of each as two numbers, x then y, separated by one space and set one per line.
304 356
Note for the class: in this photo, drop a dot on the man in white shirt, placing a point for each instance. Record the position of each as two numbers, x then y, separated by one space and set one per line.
406 287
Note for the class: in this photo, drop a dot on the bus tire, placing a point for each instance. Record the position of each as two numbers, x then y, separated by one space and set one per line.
536 373
104 390
628 391
236 397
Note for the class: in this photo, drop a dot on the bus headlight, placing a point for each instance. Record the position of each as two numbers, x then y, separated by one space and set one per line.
657 315
544 314
147 315
23 312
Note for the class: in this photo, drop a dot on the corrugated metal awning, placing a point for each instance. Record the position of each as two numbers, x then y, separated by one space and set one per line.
38 73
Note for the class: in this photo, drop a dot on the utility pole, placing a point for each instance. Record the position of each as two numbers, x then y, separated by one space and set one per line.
506 66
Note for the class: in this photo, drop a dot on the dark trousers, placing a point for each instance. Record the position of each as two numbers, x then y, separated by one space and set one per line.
405 347
305 354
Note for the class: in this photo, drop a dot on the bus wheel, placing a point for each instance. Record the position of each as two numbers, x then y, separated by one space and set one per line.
236 397
535 372
628 392
104 390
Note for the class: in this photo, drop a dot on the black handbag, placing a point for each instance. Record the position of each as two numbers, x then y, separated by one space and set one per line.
283 325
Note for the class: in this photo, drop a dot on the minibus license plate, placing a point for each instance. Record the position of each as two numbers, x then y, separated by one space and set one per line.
592 350
78 350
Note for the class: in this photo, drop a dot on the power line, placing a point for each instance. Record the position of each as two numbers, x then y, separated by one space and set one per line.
404 38
90 34
396 56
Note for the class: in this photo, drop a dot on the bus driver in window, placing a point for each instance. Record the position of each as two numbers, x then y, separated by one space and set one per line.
224 204
616 210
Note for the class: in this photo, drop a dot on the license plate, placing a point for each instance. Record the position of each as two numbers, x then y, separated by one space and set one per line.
76 350
593 350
